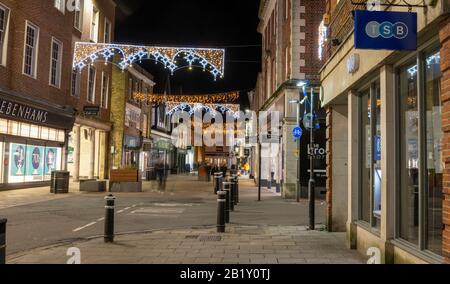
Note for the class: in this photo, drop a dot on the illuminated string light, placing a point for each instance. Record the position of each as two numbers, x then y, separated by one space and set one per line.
189 99
210 59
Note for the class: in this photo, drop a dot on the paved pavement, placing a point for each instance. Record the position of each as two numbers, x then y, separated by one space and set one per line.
38 220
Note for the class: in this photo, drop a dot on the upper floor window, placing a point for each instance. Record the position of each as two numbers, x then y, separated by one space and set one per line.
4 20
75 85
78 15
91 84
107 31
286 13
30 49
55 63
105 90
60 5
94 24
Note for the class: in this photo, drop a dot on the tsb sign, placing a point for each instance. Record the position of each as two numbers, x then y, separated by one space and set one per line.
385 30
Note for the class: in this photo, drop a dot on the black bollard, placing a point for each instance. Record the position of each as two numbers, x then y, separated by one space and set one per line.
217 183
109 218
237 190
221 203
234 180
232 193
227 189
3 241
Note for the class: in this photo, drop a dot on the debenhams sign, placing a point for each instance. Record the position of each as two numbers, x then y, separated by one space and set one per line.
10 109
19 111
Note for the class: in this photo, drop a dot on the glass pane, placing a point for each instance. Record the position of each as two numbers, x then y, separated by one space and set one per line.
3 126
409 155
25 130
367 159
435 161
34 131
13 128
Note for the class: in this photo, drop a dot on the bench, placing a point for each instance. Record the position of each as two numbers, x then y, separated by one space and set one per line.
127 180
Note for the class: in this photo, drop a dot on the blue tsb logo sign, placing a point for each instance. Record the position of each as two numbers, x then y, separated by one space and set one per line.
385 30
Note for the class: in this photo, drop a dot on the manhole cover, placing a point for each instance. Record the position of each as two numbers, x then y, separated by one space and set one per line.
192 237
210 238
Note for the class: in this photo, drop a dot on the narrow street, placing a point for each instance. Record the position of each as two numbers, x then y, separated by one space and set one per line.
187 205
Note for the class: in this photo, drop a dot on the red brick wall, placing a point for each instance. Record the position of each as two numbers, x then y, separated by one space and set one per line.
445 66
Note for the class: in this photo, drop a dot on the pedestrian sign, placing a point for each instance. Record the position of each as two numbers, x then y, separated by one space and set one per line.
297 132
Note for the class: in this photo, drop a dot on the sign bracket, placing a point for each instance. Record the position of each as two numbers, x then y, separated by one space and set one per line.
395 3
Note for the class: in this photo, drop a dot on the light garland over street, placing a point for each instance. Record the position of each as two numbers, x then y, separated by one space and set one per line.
173 58
201 99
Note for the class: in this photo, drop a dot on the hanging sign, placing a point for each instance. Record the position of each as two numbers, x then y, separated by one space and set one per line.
385 30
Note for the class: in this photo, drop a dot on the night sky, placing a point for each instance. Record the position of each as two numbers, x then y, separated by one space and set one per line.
229 24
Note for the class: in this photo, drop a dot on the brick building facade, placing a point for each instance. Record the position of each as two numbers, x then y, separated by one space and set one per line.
289 30
396 200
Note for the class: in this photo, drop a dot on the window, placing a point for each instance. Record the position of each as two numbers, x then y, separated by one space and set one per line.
30 50
94 24
422 166
55 63
4 20
107 31
91 84
75 84
105 90
60 5
286 12
78 15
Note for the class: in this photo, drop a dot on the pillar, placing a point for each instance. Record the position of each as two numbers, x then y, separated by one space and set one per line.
92 156
77 151
444 36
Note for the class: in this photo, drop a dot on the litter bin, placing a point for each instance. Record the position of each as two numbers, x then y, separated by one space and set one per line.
59 182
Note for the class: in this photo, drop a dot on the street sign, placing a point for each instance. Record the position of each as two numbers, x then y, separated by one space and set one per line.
297 132
308 121
91 110
385 30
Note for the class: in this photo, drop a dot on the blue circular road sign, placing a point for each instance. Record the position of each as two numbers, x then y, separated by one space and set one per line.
297 132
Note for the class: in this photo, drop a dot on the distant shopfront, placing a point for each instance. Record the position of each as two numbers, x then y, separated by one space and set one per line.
32 141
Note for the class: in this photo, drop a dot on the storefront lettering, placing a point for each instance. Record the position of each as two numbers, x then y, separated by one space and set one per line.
23 112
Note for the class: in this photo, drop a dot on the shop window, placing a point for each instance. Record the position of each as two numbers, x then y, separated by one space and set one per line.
52 134
24 130
371 175
61 136
421 172
13 128
34 131
3 126
44 133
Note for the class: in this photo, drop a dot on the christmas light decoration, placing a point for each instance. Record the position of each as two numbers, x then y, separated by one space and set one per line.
173 58
213 109
192 99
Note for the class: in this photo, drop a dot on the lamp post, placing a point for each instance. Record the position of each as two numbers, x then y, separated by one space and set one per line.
312 182
299 102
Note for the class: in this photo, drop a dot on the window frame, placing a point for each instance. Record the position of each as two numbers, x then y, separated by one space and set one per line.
94 81
4 38
58 75
62 6
77 84
35 54
419 57
95 19
80 14
107 31
104 97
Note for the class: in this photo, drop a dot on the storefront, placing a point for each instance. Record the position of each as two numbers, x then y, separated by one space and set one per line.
32 141
162 151
385 138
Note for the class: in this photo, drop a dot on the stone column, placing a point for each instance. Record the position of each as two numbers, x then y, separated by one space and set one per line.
92 156
77 151
353 167
444 36
388 159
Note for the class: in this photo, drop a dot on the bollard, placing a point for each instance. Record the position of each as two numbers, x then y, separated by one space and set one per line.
237 190
217 183
232 193
3 241
109 218
234 180
221 203
227 189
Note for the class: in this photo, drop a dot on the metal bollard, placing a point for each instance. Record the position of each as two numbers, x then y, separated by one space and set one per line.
237 190
3 241
221 203
217 183
234 180
227 189
109 218
232 193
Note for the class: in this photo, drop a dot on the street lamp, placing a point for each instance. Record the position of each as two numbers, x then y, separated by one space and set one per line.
299 102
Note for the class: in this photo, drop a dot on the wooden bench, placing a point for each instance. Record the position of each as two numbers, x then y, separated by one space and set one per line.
125 181
124 176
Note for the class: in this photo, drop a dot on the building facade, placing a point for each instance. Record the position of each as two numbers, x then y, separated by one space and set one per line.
131 114
35 105
90 93
289 31
387 131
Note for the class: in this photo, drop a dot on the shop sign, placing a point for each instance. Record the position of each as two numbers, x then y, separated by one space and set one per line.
385 30
25 113
91 110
